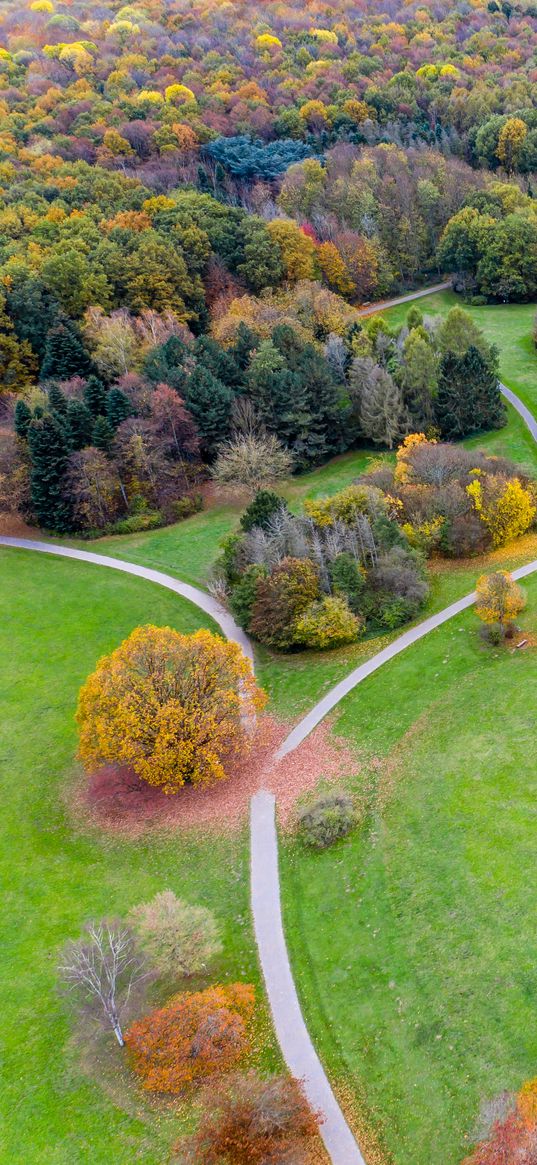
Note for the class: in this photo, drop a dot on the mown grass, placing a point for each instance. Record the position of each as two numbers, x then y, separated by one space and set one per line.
413 941
58 617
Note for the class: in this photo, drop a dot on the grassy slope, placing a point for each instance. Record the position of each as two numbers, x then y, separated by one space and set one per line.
413 942
57 618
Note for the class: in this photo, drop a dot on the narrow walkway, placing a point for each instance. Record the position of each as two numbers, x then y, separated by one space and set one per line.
371 309
515 401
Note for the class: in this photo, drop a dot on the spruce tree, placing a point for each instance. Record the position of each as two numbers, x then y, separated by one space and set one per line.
65 355
468 398
245 343
22 419
78 425
262 508
57 401
48 452
209 401
95 396
215 358
103 434
118 407
165 364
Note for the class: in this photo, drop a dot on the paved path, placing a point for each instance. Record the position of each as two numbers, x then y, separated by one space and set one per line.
371 309
527 417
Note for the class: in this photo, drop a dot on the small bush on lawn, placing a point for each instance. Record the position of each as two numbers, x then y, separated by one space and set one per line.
185 507
193 1037
177 938
328 623
328 820
150 520
251 1121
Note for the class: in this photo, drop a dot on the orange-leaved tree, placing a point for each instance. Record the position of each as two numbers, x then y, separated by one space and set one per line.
174 708
499 598
194 1036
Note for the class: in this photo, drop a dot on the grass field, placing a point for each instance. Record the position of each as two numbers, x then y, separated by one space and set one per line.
413 941
58 617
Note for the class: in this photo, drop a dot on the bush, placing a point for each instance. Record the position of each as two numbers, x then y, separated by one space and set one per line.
185 507
244 594
178 939
194 1036
348 579
150 520
265 504
328 623
329 819
251 1121
478 301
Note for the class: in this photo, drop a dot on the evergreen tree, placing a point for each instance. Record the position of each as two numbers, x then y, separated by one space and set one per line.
215 358
118 407
383 417
22 419
469 398
103 434
57 402
165 364
245 343
78 425
95 396
65 355
262 508
209 401
48 452
418 377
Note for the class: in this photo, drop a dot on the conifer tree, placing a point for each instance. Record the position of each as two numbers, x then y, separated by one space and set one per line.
48 451
65 355
78 425
118 407
95 396
209 401
103 434
22 419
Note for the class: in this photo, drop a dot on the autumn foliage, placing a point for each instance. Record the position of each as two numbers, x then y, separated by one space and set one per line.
174 708
250 1121
194 1036
499 598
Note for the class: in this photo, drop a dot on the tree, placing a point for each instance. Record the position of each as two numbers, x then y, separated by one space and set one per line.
328 623
113 341
499 599
209 401
509 1142
381 411
22 418
510 143
296 248
265 504
48 451
505 507
468 397
171 425
261 264
95 396
177 938
103 968
174 708
103 434
78 425
94 489
118 407
193 1037
418 378
64 355
250 1120
18 364
250 462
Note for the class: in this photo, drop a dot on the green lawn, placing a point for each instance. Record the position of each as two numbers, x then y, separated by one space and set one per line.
413 942
58 617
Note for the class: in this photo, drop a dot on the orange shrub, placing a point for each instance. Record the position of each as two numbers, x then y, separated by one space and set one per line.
194 1036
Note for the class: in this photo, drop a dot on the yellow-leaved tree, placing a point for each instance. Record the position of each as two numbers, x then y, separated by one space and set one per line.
174 708
506 507
499 599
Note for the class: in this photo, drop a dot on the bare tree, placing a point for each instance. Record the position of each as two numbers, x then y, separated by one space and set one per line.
103 967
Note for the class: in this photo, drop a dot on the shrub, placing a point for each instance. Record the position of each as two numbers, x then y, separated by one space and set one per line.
150 520
185 507
169 706
244 594
251 1121
328 623
329 819
280 600
177 938
348 579
194 1036
246 462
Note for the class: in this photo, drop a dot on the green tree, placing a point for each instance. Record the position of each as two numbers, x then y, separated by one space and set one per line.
75 282
103 434
262 508
65 356
418 377
261 265
22 419
95 396
468 398
209 401
78 425
48 451
118 407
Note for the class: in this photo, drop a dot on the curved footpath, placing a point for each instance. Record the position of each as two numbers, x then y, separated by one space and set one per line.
296 1045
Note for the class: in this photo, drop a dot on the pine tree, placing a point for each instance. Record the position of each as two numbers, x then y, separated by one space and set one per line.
65 355
78 425
245 343
95 396
118 407
469 396
57 401
103 434
383 417
165 364
209 401
48 453
262 508
219 362
22 419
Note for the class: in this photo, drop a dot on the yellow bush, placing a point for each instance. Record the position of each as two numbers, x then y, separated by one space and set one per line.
328 623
